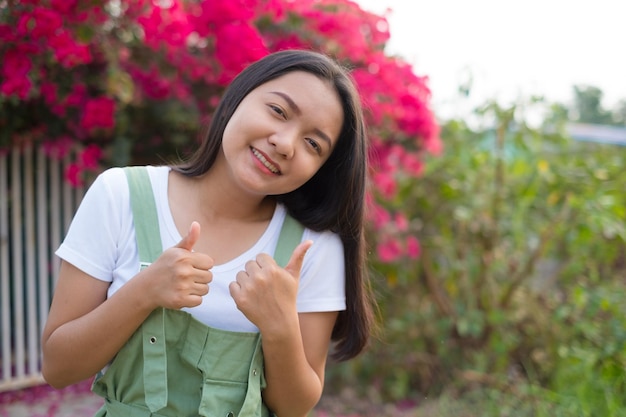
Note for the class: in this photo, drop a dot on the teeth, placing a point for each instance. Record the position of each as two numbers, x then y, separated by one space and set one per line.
265 162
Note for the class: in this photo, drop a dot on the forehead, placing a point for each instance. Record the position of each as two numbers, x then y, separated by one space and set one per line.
298 80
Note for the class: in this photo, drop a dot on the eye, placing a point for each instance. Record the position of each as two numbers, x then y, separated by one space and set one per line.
316 146
278 110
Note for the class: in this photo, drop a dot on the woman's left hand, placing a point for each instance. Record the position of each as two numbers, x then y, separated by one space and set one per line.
266 293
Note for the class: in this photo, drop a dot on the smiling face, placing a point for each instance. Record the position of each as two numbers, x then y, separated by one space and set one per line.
281 133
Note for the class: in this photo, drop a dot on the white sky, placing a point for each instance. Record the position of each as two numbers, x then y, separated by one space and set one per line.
511 48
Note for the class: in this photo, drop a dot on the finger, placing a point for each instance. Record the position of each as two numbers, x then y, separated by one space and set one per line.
203 278
192 237
234 288
241 278
193 301
297 257
202 261
200 289
253 267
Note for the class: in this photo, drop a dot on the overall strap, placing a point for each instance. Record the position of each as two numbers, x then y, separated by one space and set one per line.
290 236
149 245
144 215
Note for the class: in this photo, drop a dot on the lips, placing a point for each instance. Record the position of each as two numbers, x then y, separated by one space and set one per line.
265 161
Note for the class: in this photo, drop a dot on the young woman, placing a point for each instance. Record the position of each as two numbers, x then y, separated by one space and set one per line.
214 325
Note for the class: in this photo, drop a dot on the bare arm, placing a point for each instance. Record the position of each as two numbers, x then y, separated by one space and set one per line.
294 364
85 330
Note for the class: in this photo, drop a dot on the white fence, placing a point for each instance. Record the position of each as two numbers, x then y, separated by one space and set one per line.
36 206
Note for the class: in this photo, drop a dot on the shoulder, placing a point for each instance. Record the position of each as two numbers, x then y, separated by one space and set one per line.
322 277
116 178
108 187
326 252
111 176
118 174
326 240
158 176
111 184
326 244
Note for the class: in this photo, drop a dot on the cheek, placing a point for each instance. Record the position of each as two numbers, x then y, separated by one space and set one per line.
308 171
230 128
236 122
233 135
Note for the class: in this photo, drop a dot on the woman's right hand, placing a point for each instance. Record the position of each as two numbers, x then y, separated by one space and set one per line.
85 329
180 277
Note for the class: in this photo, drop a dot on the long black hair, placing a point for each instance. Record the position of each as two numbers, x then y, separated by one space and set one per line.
333 199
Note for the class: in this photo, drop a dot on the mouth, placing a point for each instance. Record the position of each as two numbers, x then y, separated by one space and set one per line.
266 163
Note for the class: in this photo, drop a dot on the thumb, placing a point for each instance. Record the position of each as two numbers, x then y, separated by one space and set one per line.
297 257
189 241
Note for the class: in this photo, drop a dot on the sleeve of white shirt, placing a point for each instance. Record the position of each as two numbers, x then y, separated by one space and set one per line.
92 241
322 278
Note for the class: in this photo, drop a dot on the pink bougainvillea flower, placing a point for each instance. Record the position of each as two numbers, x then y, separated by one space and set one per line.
395 154
380 216
389 250
73 175
348 29
413 248
68 52
64 7
19 86
433 143
7 34
77 96
290 41
233 60
59 147
225 12
402 223
274 8
166 26
152 83
90 156
99 114
40 23
16 62
412 164
385 183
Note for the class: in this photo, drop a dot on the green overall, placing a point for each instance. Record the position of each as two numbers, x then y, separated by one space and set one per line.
174 365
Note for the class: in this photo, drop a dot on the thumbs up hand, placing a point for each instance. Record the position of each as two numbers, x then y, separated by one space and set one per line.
180 277
189 241
266 293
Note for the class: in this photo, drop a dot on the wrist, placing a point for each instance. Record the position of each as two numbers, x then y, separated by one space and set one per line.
138 293
281 330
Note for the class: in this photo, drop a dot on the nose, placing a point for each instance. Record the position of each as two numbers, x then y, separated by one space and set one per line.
284 143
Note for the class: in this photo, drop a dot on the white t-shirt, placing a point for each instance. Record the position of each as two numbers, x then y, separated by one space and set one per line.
101 242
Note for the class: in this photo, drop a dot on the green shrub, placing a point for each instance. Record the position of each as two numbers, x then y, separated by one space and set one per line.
521 273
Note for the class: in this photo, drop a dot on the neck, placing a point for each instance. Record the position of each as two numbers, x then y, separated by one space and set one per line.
216 200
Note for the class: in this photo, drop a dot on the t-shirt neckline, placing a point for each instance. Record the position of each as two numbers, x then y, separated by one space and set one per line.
170 226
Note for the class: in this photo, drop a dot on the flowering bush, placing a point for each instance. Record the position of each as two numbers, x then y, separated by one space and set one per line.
130 78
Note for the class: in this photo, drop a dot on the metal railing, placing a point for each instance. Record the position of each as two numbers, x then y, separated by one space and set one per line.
36 207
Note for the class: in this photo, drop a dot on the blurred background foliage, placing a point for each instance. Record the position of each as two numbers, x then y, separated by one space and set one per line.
516 305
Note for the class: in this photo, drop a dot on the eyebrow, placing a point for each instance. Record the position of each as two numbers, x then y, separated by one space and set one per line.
292 104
